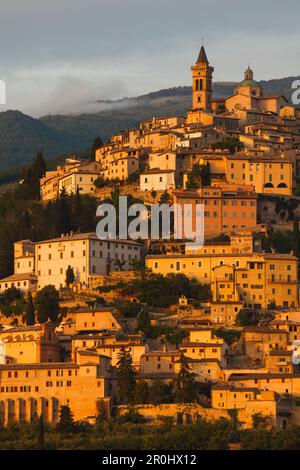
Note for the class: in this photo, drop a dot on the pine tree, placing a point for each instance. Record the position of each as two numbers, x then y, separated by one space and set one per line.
47 304
29 312
205 175
70 277
39 165
41 433
97 142
63 212
77 211
296 238
125 376
185 384
143 322
66 420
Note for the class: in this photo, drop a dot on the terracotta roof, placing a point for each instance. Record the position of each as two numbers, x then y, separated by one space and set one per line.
240 377
89 352
234 389
258 329
256 256
162 353
201 345
156 171
44 365
155 375
21 329
280 353
191 360
20 277
84 236
92 310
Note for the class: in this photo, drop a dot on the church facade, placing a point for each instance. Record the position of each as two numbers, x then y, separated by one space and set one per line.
249 95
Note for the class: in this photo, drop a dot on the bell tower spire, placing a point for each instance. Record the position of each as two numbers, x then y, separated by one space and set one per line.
202 82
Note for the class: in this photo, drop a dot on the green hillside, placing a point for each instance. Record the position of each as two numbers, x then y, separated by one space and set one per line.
22 136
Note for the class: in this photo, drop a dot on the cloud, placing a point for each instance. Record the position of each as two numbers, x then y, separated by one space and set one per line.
54 52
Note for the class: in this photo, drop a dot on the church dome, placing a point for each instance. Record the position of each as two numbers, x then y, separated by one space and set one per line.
251 83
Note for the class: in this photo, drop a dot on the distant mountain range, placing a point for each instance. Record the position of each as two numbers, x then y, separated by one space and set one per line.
21 136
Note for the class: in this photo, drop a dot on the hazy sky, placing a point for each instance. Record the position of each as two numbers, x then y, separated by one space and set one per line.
58 53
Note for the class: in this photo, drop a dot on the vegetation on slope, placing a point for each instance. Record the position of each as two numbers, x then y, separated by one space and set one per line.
22 135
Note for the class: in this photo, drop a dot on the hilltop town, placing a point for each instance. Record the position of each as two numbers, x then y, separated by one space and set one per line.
112 327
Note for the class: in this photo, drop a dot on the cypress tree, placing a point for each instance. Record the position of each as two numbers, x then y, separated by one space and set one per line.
125 376
41 434
29 312
70 277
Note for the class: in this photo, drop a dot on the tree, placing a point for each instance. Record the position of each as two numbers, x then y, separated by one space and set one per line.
125 376
175 336
235 424
70 277
232 144
97 142
128 309
11 302
63 213
229 336
139 268
29 312
185 384
133 177
30 188
100 182
18 306
162 291
259 421
141 393
205 175
66 420
247 317
10 294
160 392
41 433
199 176
47 304
296 238
143 322
39 166
165 198
120 264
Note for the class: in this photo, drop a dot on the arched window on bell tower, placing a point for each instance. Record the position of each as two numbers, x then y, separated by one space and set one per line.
196 84
201 84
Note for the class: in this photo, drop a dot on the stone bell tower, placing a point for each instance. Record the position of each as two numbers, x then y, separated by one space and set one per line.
202 82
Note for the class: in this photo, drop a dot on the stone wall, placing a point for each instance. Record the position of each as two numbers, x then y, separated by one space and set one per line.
187 413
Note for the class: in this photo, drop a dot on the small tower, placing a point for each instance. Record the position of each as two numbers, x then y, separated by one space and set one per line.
248 74
202 82
249 87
